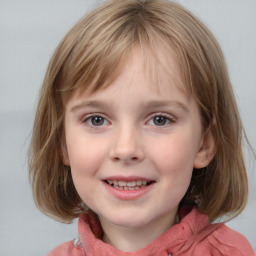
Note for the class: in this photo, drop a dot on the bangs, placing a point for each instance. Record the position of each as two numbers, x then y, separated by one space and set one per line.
94 52
97 68
92 66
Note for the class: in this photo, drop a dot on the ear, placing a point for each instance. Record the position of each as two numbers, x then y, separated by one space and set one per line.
64 154
207 149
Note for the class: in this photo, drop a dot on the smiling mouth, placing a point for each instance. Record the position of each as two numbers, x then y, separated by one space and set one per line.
128 185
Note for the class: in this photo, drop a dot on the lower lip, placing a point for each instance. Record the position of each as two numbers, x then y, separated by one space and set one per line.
128 194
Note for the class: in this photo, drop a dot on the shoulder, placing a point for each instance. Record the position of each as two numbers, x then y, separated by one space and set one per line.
225 241
212 239
66 249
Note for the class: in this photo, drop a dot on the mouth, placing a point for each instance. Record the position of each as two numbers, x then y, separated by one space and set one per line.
129 185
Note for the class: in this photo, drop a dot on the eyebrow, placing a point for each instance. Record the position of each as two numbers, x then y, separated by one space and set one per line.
168 103
146 105
91 103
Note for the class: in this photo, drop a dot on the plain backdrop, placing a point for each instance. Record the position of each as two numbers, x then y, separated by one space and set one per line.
29 32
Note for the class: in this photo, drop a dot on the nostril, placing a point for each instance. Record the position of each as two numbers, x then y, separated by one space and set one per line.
122 153
116 159
126 159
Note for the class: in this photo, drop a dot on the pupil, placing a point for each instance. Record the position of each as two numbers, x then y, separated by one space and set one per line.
97 120
160 120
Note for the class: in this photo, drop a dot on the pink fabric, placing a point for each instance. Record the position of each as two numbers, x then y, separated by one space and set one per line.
193 236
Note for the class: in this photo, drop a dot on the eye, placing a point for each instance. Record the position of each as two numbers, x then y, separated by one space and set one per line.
96 120
160 120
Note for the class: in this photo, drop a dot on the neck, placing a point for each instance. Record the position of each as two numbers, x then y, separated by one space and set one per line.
131 239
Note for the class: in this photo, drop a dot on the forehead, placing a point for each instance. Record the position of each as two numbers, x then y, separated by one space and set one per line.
152 76
160 68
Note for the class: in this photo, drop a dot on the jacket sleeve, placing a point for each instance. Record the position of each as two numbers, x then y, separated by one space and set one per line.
226 241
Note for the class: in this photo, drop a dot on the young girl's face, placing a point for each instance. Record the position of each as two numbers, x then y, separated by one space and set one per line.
132 147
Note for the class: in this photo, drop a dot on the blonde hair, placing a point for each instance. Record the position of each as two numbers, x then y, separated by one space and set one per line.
90 57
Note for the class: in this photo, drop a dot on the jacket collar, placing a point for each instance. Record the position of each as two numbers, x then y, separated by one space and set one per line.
172 241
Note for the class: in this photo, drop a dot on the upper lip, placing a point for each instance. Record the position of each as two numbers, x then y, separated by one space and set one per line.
127 178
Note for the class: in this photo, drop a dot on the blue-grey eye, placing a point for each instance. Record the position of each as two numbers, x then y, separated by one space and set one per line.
159 120
97 120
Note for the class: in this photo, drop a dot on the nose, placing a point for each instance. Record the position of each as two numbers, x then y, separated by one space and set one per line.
127 146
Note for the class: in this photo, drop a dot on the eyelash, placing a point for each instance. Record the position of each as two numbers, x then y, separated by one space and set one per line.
168 118
89 117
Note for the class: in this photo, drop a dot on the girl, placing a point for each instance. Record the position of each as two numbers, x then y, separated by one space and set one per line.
137 132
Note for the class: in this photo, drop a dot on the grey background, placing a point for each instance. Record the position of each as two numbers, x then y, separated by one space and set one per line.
29 32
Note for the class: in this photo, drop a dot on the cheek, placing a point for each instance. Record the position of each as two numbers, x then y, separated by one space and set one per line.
84 154
174 153
85 161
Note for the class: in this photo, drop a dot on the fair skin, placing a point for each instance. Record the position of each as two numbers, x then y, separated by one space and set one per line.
132 148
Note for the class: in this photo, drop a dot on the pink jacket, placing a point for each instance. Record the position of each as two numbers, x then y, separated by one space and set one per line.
193 236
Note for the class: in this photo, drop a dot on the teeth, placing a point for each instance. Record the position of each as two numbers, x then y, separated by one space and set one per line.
144 183
131 183
139 182
121 183
127 185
